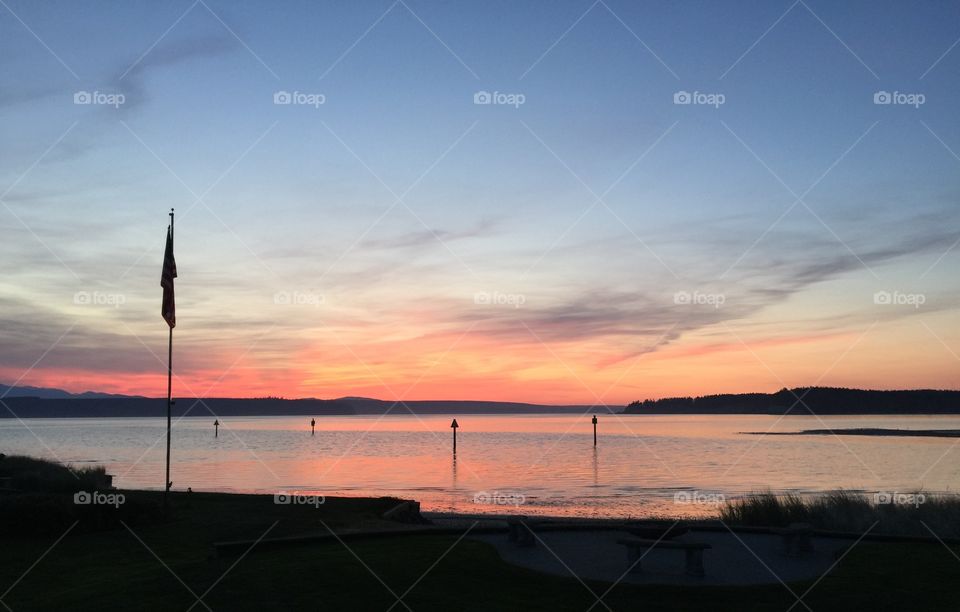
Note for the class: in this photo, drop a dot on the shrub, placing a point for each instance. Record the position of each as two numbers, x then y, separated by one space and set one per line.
913 514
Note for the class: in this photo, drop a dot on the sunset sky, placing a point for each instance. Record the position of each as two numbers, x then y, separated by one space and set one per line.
597 242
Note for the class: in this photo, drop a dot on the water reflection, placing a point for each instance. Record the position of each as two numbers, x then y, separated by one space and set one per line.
539 459
596 467
454 468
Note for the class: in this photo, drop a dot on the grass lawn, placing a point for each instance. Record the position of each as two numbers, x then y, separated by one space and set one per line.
113 569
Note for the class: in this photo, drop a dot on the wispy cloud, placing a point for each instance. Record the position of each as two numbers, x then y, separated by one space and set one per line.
484 228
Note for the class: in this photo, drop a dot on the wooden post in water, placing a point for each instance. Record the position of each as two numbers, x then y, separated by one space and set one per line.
454 425
216 428
594 430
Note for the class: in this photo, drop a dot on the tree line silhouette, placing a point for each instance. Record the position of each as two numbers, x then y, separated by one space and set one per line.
803 400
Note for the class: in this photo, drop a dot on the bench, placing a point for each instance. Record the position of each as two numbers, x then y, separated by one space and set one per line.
796 538
520 531
693 551
657 532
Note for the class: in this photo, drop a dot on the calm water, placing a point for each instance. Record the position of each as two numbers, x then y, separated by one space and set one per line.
546 463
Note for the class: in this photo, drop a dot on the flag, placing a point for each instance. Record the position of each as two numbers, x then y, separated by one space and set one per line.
169 310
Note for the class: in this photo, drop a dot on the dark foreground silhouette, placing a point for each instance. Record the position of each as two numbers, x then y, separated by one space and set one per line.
141 560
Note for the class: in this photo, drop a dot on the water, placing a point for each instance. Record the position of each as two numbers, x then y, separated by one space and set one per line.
645 465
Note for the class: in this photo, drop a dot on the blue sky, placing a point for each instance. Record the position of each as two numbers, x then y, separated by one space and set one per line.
597 200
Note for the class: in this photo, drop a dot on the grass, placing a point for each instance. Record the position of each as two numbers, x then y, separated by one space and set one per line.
43 499
30 474
917 514
169 563
118 569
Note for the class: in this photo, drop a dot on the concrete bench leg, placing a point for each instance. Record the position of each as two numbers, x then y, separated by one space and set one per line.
695 562
525 537
789 544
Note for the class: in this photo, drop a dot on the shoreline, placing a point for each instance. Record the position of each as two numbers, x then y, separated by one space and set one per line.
31 413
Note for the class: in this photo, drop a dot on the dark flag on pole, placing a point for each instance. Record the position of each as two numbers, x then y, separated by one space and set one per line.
169 310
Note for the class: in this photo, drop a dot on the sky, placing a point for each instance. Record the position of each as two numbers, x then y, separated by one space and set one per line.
556 202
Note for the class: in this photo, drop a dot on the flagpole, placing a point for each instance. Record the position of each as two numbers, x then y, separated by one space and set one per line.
166 483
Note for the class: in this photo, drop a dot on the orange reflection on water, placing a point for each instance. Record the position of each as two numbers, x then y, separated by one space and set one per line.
643 465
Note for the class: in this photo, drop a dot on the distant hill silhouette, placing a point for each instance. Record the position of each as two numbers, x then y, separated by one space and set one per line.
38 402
7 391
119 406
366 405
820 400
34 407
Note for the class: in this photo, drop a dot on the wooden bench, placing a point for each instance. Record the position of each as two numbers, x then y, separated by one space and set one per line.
520 531
796 538
693 551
